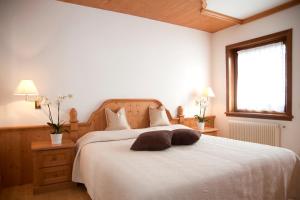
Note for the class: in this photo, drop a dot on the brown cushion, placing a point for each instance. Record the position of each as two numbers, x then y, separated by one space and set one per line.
153 141
185 136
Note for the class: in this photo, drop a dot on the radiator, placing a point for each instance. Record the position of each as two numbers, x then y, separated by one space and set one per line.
253 131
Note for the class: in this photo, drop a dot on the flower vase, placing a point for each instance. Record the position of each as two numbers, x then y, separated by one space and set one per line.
56 138
201 125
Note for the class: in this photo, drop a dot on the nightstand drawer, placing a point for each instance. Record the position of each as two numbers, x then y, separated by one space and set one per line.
55 157
53 175
52 165
212 133
209 131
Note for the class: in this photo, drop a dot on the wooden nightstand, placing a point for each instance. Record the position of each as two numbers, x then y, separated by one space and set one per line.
209 131
52 165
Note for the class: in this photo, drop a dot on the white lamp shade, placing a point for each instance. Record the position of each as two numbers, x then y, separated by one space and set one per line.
26 87
208 92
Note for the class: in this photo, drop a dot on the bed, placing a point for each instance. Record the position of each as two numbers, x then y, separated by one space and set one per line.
213 168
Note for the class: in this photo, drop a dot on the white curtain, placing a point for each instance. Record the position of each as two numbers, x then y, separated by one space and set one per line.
261 78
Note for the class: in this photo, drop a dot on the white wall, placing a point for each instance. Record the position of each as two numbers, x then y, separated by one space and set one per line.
283 20
95 55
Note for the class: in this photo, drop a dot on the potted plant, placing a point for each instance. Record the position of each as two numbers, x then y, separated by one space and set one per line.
58 126
201 117
202 101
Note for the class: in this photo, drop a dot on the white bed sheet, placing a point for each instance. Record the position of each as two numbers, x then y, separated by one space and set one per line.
213 168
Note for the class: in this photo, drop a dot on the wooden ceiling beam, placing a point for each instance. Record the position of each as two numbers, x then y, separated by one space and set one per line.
220 16
271 11
217 15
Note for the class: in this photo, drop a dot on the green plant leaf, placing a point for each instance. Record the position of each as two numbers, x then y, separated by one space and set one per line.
66 131
51 125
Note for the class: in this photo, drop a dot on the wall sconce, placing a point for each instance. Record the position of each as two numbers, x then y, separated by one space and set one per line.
27 88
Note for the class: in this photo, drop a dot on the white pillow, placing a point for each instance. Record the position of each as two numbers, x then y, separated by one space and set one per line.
158 116
116 121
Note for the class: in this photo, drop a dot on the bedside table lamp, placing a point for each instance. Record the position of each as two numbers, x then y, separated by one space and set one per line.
27 88
208 92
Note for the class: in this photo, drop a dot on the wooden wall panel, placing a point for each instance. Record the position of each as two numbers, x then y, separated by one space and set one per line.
15 142
15 148
15 152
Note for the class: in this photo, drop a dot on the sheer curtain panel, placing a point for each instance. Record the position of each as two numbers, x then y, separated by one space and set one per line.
261 78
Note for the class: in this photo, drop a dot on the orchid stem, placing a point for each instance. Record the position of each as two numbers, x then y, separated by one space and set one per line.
50 114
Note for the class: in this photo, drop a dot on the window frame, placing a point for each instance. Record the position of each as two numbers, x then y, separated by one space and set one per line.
231 76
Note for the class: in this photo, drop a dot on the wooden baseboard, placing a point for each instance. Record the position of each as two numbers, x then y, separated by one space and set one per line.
48 188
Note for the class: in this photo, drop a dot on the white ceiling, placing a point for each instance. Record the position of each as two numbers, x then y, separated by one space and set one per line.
242 9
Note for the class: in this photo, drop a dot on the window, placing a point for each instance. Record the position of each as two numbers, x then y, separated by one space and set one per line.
259 77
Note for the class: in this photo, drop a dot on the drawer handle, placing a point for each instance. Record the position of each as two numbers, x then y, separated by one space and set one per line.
54 158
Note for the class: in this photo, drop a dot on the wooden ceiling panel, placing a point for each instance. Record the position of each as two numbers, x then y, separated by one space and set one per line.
180 12
188 13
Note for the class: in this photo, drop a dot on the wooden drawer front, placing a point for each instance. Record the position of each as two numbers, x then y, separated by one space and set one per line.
215 133
53 175
55 158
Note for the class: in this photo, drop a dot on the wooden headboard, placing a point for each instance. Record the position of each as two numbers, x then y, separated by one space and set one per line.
137 113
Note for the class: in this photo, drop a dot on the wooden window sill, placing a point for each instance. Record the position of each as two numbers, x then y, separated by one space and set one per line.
274 116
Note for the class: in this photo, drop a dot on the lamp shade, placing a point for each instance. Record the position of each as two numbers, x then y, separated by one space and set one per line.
208 92
26 87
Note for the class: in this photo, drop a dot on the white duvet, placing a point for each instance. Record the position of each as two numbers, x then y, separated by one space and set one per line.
213 168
